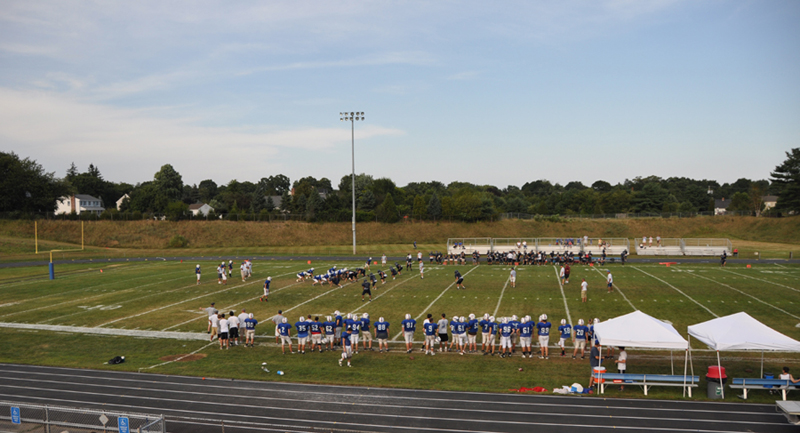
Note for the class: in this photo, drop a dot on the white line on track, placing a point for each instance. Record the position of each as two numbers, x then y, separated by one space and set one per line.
677 290
563 295
619 290
749 295
434 301
219 405
761 279
501 297
234 305
136 333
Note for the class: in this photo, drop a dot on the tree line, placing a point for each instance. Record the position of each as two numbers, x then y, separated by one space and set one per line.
28 188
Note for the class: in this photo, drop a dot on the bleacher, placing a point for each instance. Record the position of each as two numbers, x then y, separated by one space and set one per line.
468 245
613 246
668 247
706 246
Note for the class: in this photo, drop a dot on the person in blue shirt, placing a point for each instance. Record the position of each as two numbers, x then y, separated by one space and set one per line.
581 337
459 280
347 349
430 335
472 333
250 330
454 341
365 334
382 334
329 327
505 331
339 323
197 272
565 330
366 291
484 325
315 328
266 290
525 335
284 330
460 333
301 276
355 330
302 328
409 327
332 270
543 328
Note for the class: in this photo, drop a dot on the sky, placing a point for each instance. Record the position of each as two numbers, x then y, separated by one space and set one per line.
498 93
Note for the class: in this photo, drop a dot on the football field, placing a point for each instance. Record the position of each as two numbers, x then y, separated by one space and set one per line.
85 317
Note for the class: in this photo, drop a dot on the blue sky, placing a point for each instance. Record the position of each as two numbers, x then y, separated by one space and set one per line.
494 93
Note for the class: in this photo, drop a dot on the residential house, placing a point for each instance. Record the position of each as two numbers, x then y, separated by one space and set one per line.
721 206
78 204
200 209
121 199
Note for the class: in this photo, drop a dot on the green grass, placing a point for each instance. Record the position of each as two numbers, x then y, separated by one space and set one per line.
163 296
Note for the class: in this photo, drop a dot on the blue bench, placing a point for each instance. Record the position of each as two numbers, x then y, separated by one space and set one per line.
648 380
769 384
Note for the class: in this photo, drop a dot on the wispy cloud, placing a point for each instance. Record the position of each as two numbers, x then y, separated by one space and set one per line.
392 58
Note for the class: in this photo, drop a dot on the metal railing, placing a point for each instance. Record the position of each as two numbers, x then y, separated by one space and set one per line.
527 216
31 417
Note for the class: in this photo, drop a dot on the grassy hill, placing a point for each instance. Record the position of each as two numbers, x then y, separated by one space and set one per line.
227 234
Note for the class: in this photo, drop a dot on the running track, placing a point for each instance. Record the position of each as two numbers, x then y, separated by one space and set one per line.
191 404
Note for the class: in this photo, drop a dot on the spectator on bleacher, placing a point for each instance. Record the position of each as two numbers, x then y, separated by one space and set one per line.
651 241
644 241
787 376
658 240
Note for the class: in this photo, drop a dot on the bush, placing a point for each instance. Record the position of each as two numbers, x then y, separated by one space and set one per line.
136 215
178 241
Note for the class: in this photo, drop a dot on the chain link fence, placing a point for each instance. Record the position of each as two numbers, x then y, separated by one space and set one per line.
38 418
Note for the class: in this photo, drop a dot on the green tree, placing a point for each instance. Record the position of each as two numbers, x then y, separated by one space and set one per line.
786 182
387 211
420 208
207 190
169 183
26 187
366 201
740 202
177 210
270 206
434 207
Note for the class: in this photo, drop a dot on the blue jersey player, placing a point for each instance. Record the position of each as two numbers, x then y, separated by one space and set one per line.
581 337
543 328
565 330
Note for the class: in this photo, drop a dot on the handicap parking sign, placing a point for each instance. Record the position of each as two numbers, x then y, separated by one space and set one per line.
124 426
15 415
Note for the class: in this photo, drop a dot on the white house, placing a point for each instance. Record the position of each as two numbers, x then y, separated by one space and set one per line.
201 209
121 199
79 203
721 206
769 201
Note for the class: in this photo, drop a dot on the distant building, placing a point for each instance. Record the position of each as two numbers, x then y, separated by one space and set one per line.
201 209
121 199
721 206
78 204
769 201
276 200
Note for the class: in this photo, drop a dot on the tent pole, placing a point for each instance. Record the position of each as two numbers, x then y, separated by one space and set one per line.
671 363
685 362
719 371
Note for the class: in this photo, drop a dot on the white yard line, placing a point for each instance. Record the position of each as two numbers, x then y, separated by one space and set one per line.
763 280
501 296
434 301
74 301
563 295
619 290
81 274
780 266
92 287
178 359
748 295
677 290
108 331
386 291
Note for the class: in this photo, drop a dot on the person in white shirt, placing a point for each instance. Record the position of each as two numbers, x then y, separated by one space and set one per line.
383 260
277 320
584 290
513 277
610 282
242 317
214 319
622 363
223 331
562 274
233 328
421 269
243 272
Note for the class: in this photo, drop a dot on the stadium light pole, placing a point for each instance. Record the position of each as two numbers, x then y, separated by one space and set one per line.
352 117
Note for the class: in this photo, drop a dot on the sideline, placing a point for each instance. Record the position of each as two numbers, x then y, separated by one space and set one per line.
497 308
677 290
178 359
108 331
563 295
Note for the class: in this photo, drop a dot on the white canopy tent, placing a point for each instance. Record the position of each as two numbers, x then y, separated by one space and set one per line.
637 329
740 331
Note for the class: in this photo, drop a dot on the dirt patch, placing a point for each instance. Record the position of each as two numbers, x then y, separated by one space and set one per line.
183 358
